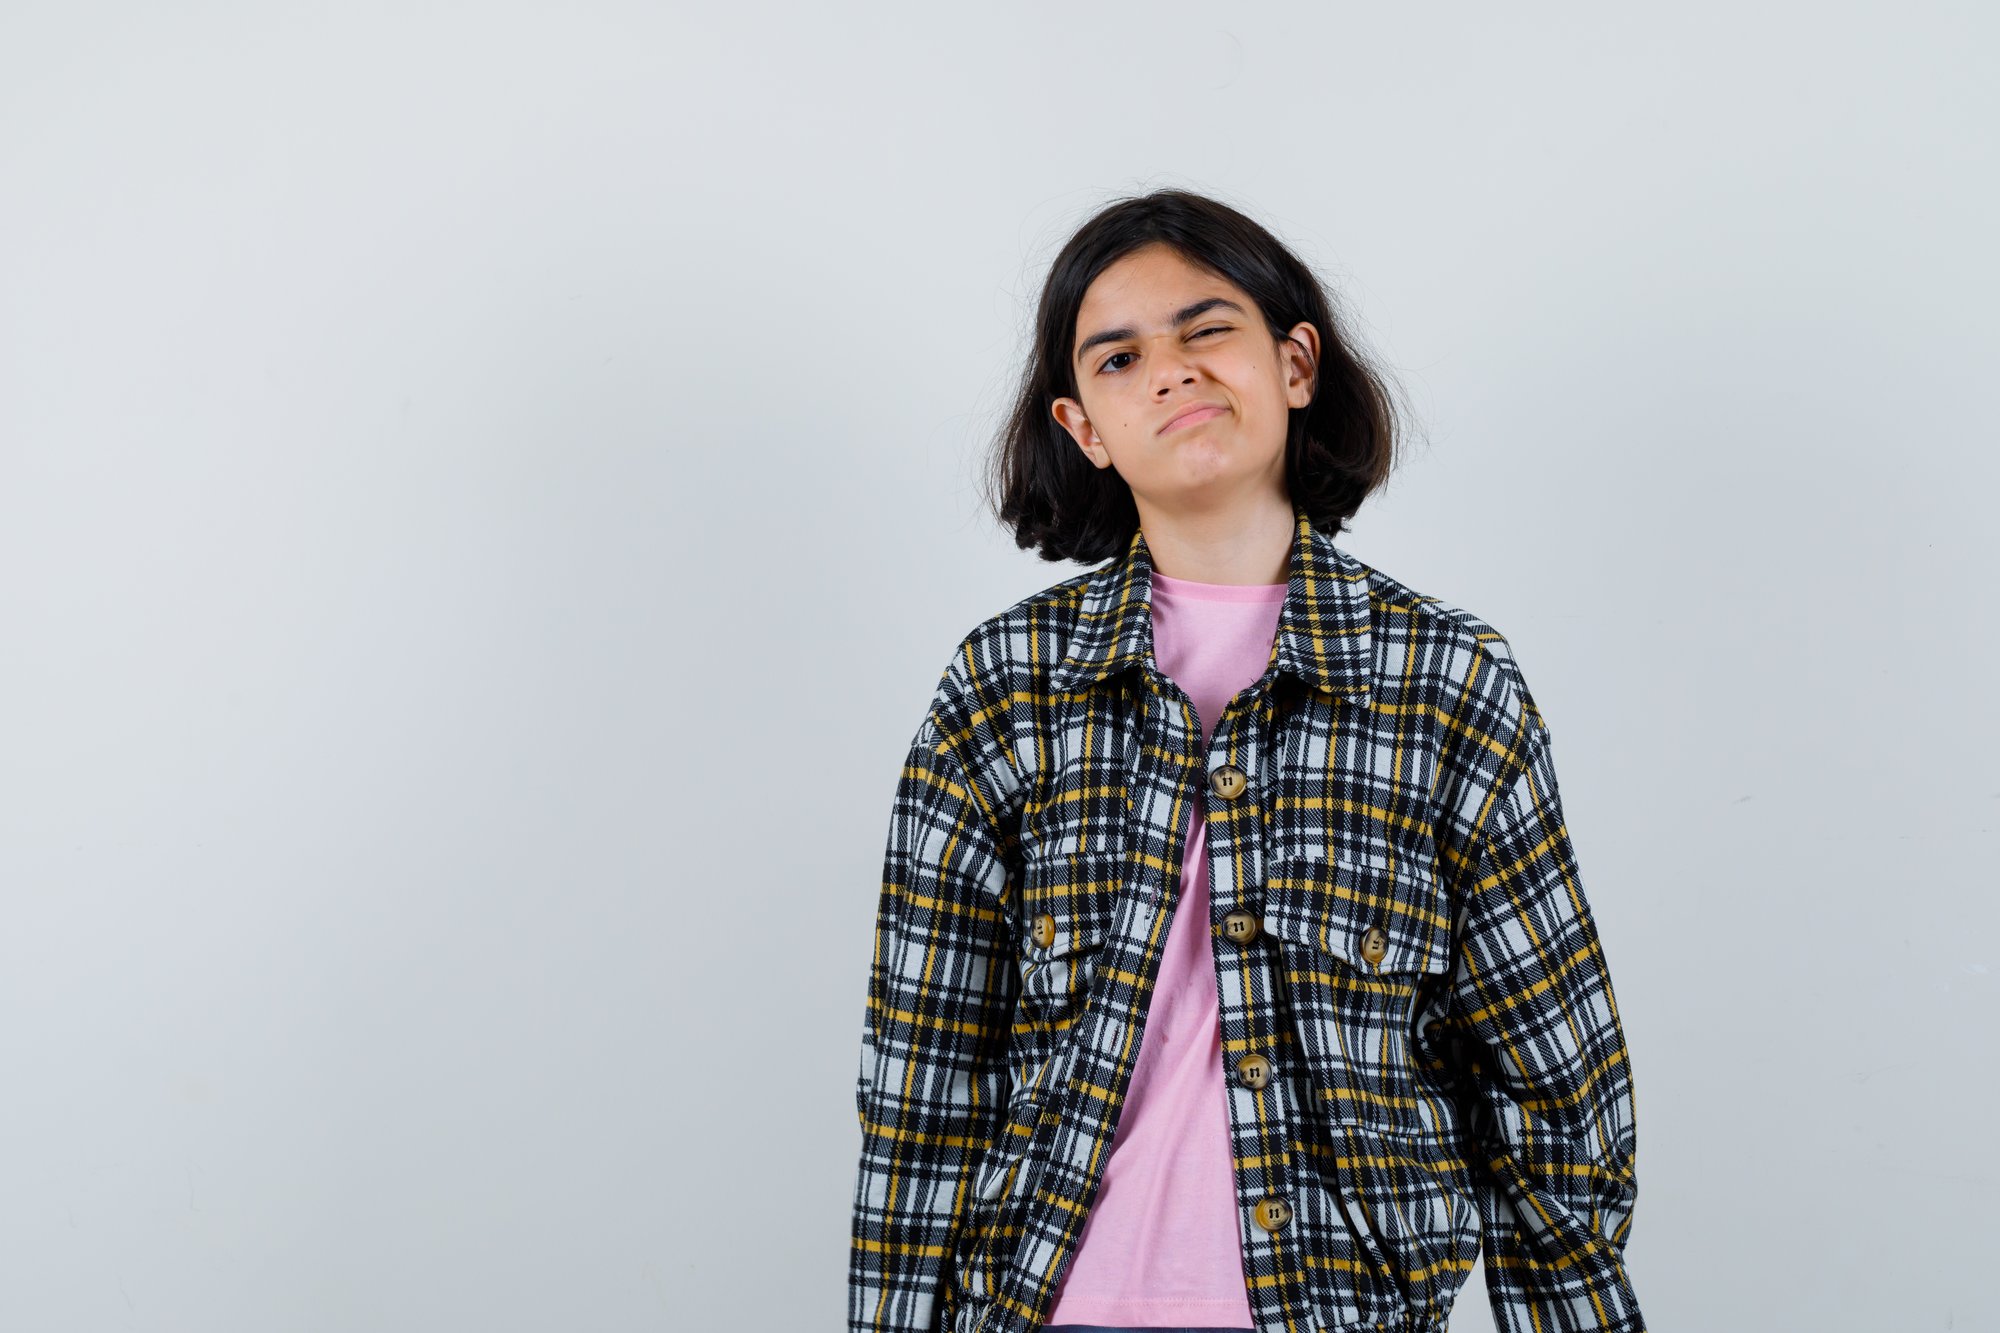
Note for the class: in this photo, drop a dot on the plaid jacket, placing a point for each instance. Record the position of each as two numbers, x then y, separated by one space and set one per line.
1417 1023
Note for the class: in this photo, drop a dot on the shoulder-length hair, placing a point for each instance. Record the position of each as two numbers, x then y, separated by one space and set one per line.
1337 448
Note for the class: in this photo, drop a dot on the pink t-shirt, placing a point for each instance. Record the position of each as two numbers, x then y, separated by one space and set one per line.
1162 1245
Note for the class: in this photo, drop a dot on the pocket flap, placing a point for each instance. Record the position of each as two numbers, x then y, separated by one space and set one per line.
1068 901
1374 920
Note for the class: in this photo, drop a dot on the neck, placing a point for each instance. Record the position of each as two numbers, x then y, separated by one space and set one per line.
1244 544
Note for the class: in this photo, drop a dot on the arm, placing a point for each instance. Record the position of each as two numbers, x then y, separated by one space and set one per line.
1547 1080
932 1086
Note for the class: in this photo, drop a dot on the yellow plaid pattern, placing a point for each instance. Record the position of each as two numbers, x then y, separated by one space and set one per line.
1417 1020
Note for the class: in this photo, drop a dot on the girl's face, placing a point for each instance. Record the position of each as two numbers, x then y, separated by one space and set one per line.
1183 390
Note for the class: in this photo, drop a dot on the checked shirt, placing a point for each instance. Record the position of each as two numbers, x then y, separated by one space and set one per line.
1422 1050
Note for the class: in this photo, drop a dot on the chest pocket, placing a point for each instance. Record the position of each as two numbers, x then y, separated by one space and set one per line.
1067 903
1358 944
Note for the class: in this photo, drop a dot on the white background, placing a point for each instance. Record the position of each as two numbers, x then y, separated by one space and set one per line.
487 490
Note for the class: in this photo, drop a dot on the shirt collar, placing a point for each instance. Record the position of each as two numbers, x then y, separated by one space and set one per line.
1323 634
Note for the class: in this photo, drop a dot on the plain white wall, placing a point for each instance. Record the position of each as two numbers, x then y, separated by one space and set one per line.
486 491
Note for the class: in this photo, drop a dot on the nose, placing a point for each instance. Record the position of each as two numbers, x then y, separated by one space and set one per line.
1172 364
1172 370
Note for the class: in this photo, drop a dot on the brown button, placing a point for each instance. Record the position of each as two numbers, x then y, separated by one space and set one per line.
1374 944
1253 1070
1240 927
1434 1030
1272 1213
1228 782
1045 930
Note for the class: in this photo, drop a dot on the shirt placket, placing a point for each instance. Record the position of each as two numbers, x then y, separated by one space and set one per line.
1229 780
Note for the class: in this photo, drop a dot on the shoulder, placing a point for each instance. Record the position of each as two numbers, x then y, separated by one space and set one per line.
986 687
1457 672
1014 648
1452 658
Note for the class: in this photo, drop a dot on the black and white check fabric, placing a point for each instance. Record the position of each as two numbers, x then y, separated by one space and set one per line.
1417 1024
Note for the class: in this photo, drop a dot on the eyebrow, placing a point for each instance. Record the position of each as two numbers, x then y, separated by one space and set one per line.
1181 316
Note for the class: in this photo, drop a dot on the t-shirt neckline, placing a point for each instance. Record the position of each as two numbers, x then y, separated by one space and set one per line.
1218 592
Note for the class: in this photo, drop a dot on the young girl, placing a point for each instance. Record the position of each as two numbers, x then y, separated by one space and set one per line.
1232 969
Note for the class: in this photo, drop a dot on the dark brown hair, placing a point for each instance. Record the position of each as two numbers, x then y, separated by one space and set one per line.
1337 448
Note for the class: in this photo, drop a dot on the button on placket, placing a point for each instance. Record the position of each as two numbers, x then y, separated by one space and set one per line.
1253 1071
1272 1212
1228 781
1240 927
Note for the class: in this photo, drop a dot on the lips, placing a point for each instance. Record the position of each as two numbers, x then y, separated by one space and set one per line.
1192 415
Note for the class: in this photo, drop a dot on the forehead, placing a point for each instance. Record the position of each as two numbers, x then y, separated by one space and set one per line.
1145 288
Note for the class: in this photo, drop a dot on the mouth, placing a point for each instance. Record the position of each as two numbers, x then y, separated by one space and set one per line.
1193 416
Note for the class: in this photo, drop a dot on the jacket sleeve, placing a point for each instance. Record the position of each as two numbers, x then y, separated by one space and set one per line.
933 1081
1547 1078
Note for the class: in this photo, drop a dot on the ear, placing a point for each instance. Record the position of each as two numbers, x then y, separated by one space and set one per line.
1069 413
1300 348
